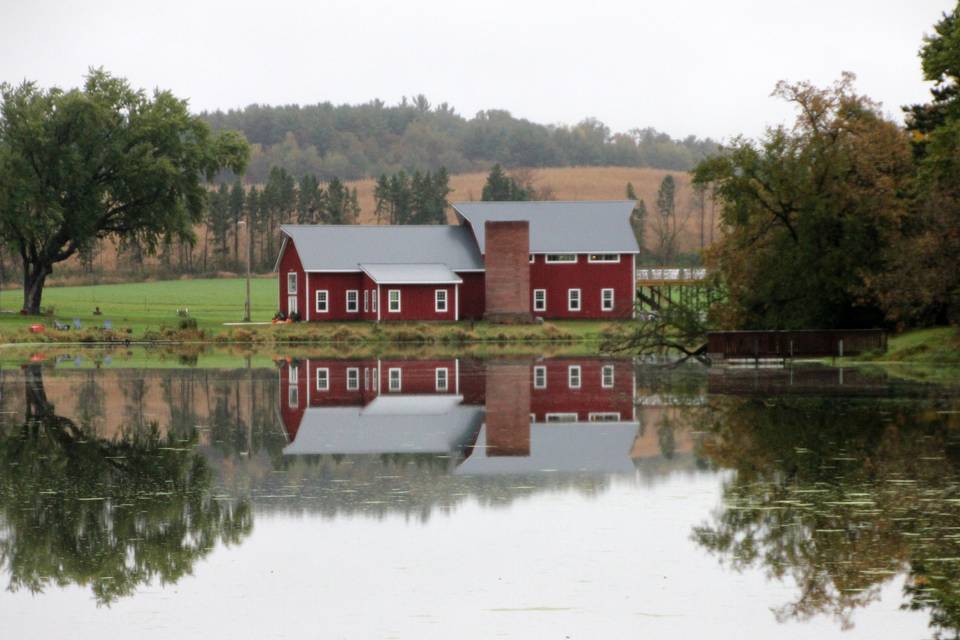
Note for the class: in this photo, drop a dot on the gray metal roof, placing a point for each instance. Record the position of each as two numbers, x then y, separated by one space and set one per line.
560 227
345 247
410 273
389 424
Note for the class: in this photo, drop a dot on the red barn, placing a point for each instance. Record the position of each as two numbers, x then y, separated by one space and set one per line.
504 260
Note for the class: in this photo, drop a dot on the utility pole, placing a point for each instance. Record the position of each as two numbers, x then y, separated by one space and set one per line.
246 304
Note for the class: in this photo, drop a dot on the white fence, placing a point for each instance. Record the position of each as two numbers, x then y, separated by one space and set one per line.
668 274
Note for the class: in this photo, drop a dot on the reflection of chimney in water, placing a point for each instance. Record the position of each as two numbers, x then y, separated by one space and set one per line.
508 409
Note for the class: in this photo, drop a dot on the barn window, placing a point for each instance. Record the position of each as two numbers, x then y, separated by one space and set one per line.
353 301
323 379
539 299
604 257
366 300
604 416
573 299
394 379
440 300
292 283
567 258
573 376
393 300
606 376
293 397
441 377
606 299
323 301
353 379
561 417
539 377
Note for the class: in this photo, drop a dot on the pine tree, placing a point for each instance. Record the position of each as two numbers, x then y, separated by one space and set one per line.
236 207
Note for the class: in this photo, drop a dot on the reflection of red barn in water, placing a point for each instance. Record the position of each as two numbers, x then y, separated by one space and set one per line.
492 417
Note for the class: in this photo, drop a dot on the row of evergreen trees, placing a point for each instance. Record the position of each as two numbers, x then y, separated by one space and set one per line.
417 199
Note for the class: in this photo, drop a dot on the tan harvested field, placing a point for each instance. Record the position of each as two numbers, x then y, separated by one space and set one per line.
562 183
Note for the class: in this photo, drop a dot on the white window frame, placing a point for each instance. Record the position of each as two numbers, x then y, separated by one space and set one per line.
437 299
603 299
292 283
595 258
390 385
293 397
293 304
355 308
533 258
562 258
570 296
293 373
441 374
366 300
353 372
326 301
606 371
390 293
375 296
325 379
539 377
574 376
561 417
542 307
603 416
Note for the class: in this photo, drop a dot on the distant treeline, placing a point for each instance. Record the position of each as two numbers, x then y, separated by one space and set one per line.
367 140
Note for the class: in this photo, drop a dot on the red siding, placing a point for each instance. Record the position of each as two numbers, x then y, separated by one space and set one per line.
290 263
416 302
336 285
591 397
472 300
590 278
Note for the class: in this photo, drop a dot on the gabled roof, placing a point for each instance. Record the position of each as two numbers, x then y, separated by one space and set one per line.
560 227
410 274
389 424
344 247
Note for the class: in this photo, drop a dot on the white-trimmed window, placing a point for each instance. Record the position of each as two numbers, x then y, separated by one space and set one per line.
603 416
440 300
292 283
606 299
573 376
294 373
393 300
539 377
293 397
353 301
323 379
353 379
561 258
573 299
603 257
394 379
375 294
323 301
539 299
561 417
533 258
366 300
441 377
606 376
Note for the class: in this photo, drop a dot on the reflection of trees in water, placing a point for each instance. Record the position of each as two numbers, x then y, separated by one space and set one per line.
111 514
841 496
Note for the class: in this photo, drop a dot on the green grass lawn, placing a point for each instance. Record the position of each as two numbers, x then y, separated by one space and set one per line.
148 305
151 306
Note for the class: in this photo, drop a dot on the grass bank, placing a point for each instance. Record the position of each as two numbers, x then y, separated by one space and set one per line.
150 312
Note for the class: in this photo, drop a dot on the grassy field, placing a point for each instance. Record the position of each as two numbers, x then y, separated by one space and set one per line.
147 311
564 183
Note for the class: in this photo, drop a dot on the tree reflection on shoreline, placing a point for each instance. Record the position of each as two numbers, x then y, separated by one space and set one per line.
111 514
841 496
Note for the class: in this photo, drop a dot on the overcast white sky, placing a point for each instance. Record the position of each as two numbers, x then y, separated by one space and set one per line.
683 66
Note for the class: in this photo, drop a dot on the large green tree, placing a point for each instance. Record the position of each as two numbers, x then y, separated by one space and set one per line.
810 212
101 161
500 186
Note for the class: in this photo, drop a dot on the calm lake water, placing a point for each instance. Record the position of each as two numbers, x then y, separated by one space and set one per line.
588 497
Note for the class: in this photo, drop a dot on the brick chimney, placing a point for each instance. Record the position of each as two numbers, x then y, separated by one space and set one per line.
507 278
508 409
